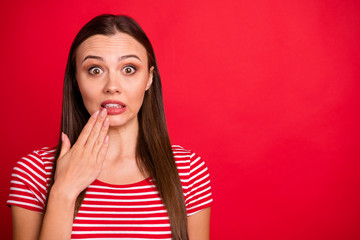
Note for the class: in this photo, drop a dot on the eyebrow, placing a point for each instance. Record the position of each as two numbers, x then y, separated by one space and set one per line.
120 58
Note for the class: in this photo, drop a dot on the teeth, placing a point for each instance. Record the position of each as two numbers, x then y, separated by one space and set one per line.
112 105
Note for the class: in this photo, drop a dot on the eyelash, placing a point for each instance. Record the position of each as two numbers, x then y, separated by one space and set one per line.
98 67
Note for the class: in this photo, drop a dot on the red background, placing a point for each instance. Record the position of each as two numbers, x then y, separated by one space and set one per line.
266 91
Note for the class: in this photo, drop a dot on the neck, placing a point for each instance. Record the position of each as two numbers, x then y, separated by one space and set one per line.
122 142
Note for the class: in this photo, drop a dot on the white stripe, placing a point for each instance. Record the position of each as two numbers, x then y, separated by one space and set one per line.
33 163
47 151
24 197
185 161
181 156
202 185
17 182
101 238
119 225
178 146
136 212
122 194
120 188
198 199
23 203
31 170
20 189
194 161
204 203
32 178
184 174
197 167
30 183
34 158
185 167
199 173
126 219
121 232
199 180
120 200
184 180
123 206
197 193
181 150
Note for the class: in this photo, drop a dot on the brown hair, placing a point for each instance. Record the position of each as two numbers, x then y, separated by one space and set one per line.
153 151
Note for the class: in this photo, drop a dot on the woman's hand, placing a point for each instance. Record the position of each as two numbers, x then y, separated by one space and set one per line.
78 166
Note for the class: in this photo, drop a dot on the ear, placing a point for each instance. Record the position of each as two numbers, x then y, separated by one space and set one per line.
150 79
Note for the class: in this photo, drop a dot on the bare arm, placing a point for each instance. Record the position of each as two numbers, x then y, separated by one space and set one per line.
199 225
26 223
58 219
77 167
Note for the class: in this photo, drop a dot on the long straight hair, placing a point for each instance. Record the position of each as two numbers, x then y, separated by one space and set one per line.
154 154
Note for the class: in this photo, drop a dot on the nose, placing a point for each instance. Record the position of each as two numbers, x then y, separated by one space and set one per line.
113 85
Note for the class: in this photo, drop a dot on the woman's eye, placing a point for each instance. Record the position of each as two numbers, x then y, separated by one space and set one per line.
95 71
128 70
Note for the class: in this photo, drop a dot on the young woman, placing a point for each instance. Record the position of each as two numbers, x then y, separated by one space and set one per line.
114 173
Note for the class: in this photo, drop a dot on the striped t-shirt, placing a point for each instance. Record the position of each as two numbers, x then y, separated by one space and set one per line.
131 211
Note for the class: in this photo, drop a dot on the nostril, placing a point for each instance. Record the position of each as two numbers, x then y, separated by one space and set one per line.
113 90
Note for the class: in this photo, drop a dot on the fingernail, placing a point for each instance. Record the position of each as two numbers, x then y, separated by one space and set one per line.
94 116
106 122
103 112
106 139
62 136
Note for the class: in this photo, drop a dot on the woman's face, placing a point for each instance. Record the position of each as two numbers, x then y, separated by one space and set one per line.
112 72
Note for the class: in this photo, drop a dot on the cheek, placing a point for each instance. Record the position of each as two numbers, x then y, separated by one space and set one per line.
89 96
135 98
135 90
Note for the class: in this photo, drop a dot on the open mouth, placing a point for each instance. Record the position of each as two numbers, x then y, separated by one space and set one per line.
112 105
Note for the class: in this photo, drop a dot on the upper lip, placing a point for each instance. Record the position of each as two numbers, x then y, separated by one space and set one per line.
112 101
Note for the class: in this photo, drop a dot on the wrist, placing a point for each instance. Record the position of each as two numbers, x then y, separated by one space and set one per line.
61 194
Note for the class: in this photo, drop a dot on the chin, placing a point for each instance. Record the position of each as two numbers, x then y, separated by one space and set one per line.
117 121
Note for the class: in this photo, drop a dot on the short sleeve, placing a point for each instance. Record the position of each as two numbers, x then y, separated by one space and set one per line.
199 194
28 183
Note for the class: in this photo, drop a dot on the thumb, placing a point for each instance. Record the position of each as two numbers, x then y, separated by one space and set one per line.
65 146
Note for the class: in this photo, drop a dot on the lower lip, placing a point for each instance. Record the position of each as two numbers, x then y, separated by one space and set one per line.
115 111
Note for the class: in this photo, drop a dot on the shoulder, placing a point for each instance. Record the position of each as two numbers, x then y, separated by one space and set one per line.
36 167
180 152
30 179
184 157
195 179
41 159
190 165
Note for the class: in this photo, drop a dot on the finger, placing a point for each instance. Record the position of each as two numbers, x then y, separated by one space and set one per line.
65 145
85 132
101 138
96 130
103 150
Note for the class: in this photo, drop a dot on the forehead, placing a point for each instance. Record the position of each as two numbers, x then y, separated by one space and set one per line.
113 45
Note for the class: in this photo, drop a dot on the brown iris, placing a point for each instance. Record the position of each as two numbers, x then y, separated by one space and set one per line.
128 70
96 71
